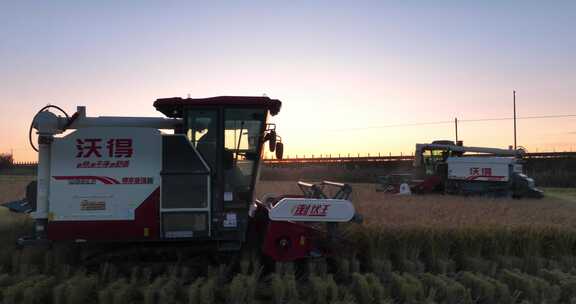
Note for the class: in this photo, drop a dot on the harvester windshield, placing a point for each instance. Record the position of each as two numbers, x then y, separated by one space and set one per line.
242 139
431 158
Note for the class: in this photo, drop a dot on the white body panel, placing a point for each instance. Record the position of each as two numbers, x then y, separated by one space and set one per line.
312 210
103 173
481 168
43 186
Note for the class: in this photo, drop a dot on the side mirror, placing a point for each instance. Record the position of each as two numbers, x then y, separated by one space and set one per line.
228 159
279 150
272 140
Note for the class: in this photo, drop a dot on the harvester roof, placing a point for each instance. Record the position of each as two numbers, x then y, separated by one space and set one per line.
174 106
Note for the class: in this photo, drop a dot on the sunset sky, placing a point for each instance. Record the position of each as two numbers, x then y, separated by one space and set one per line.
353 76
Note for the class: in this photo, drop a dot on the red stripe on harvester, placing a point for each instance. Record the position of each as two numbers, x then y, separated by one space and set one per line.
103 179
485 176
112 180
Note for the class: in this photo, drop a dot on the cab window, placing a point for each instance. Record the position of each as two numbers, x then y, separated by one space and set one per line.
201 130
242 135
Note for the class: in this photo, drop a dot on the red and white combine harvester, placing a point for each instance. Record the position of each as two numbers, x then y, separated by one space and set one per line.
451 168
186 179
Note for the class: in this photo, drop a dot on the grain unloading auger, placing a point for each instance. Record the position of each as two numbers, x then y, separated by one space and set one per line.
186 179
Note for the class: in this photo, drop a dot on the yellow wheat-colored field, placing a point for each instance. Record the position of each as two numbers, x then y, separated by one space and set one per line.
406 262
11 187
445 211
558 209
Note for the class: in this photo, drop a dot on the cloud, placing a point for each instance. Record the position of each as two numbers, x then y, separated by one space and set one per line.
573 132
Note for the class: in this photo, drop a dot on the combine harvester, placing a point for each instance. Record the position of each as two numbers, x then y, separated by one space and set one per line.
186 180
445 167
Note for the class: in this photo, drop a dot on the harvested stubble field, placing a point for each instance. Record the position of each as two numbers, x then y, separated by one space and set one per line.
439 211
417 249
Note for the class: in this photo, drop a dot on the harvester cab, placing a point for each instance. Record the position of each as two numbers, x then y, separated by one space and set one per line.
186 178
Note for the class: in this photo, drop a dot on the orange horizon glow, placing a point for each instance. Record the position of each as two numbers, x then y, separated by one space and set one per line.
341 70
400 140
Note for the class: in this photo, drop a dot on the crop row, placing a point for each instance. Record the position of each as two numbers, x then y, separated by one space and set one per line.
285 285
404 265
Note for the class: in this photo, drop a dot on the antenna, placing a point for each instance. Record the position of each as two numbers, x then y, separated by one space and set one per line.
456 128
514 103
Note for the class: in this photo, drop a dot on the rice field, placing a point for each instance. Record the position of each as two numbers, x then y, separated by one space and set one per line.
558 209
410 249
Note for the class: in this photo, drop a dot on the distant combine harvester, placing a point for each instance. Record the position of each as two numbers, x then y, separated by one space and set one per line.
550 169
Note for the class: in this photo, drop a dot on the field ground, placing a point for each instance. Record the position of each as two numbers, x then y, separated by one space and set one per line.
557 209
411 249
568 194
13 186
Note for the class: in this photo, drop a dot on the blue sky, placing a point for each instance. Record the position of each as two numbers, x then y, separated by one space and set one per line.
334 65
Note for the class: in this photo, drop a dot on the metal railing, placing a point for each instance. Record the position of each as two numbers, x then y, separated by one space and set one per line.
387 158
351 158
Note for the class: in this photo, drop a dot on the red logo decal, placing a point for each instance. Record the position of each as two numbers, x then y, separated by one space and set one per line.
104 164
116 147
87 147
120 147
310 210
474 171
